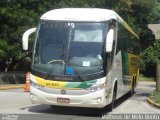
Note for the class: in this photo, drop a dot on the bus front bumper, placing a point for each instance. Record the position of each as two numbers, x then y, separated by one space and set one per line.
91 100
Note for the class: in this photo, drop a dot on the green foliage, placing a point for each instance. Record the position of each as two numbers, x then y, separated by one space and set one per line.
16 16
154 15
149 58
14 20
155 97
79 3
3 46
148 79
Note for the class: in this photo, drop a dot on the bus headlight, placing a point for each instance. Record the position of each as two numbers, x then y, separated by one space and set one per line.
96 88
35 85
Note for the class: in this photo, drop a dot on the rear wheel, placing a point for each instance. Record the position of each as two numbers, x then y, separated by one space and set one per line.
132 89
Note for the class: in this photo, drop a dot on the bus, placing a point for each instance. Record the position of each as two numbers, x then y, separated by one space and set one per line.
82 57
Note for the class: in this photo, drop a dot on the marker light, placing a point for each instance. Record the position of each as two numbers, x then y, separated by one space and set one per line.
99 100
35 85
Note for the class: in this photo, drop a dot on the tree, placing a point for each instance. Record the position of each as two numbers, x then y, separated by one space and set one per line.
14 19
149 59
158 75
16 16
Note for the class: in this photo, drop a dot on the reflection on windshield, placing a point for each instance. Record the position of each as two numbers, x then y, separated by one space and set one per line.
51 42
70 48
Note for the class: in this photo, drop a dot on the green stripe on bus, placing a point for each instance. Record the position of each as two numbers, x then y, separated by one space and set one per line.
81 85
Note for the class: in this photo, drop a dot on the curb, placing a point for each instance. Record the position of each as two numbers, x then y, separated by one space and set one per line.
7 87
152 103
147 81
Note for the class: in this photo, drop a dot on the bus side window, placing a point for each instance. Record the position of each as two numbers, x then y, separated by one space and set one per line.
122 40
126 41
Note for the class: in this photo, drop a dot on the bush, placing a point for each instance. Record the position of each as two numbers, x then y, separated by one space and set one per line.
149 58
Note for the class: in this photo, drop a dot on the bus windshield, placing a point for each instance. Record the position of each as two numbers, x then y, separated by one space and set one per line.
69 48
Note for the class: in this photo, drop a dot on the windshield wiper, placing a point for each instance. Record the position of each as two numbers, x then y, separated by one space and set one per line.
48 73
77 73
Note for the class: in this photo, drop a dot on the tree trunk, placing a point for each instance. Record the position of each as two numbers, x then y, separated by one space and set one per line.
158 76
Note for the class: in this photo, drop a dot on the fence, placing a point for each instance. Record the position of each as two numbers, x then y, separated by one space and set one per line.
14 77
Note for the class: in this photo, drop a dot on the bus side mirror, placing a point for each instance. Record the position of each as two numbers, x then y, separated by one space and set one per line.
109 40
25 38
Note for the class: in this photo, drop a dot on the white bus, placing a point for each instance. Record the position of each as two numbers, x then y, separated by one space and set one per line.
82 57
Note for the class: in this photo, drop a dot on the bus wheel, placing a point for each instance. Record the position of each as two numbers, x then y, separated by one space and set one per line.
112 104
132 89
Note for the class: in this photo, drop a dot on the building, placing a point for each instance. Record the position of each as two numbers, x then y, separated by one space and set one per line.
156 30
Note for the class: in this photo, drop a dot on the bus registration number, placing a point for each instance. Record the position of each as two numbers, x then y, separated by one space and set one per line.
63 100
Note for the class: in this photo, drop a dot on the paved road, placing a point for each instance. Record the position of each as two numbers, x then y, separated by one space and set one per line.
138 102
16 102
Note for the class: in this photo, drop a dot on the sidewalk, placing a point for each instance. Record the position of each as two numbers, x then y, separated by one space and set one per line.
151 86
11 86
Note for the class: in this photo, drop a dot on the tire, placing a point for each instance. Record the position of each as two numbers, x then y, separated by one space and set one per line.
112 104
132 89
135 82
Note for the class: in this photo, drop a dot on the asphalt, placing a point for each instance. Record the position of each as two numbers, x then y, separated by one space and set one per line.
17 86
150 85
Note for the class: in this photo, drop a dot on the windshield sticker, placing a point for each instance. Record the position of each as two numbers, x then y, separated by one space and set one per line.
69 70
86 63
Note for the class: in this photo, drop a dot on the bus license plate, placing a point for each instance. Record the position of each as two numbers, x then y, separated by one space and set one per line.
63 100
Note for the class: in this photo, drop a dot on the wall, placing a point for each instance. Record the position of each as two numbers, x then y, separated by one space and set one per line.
12 77
156 29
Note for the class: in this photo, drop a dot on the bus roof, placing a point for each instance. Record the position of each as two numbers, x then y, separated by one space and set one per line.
79 14
84 14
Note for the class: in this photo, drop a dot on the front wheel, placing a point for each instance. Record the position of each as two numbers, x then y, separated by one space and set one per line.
112 104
